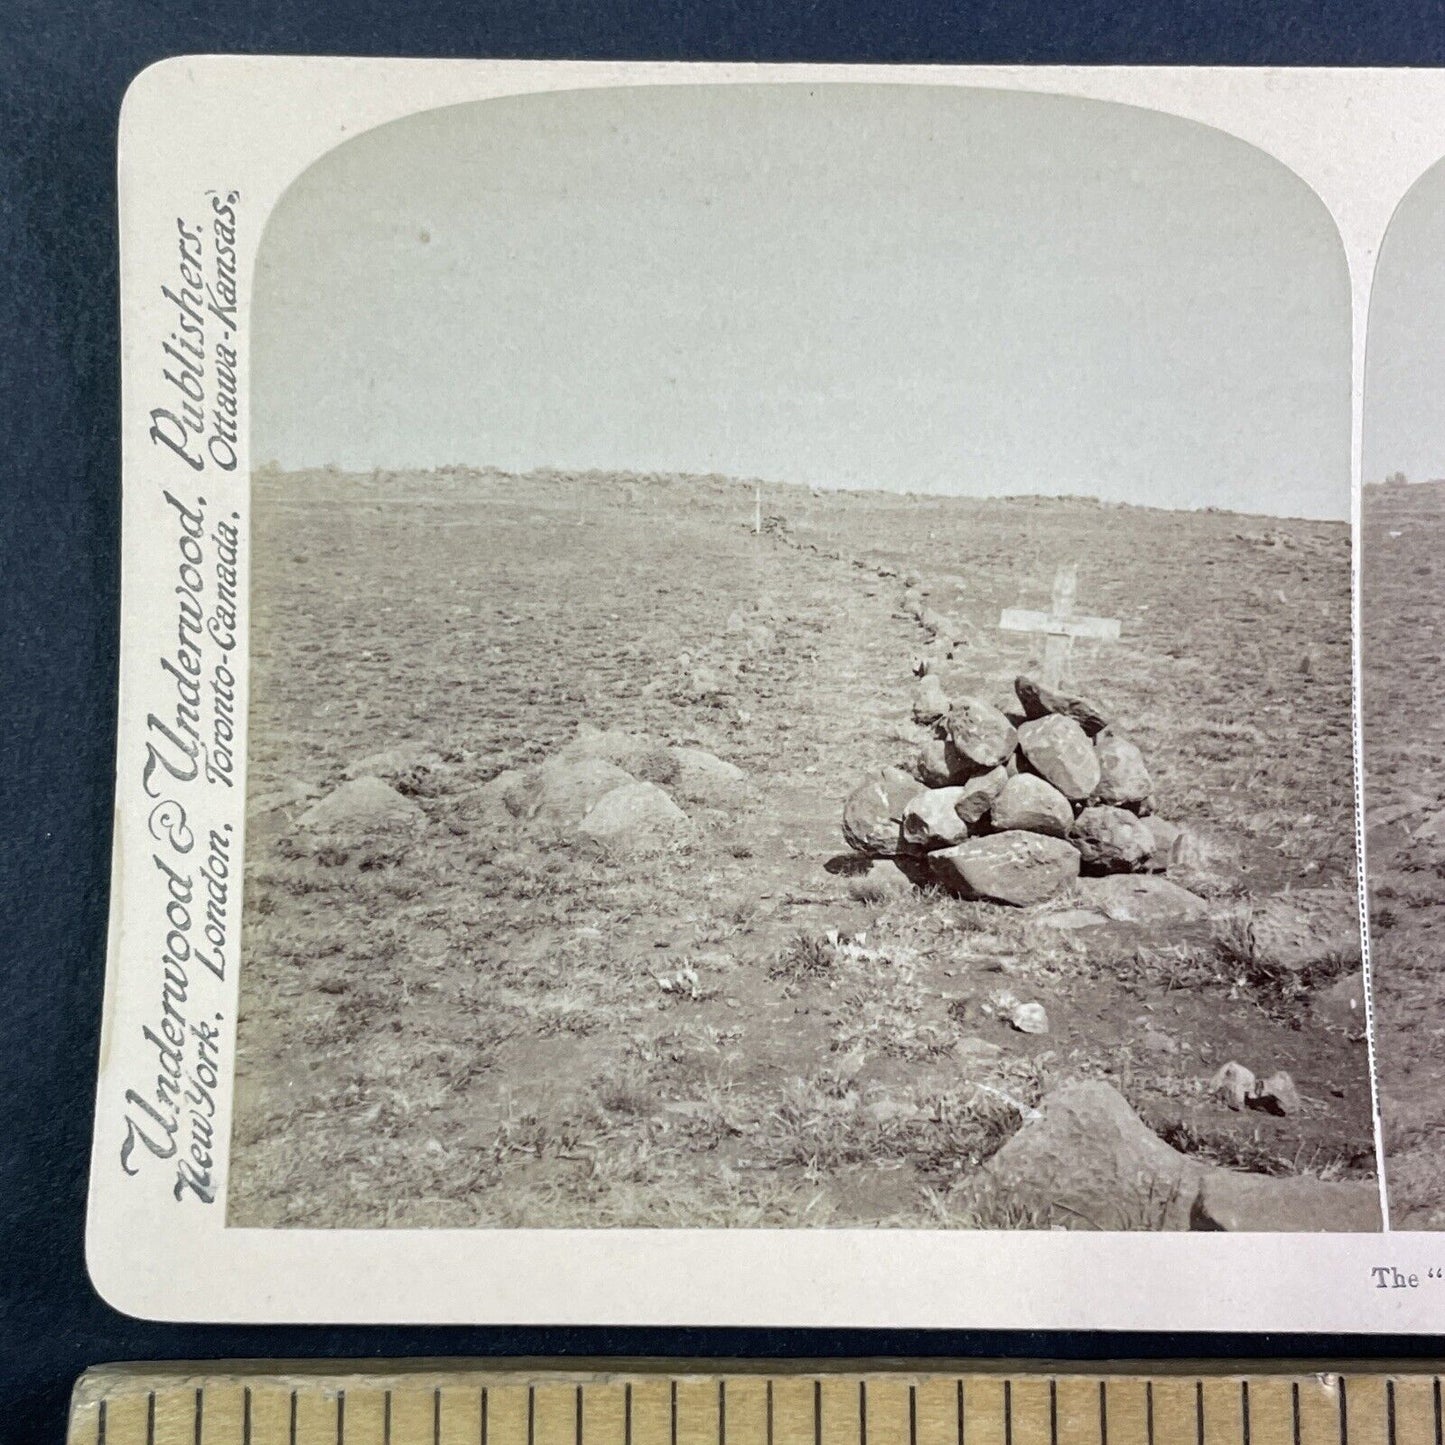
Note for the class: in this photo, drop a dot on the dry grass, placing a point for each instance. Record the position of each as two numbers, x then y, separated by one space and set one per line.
1403 534
487 1024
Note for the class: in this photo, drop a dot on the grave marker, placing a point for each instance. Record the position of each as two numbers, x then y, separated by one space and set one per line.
1059 626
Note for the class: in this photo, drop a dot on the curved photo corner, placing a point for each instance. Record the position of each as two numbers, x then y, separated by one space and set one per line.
800 674
1402 576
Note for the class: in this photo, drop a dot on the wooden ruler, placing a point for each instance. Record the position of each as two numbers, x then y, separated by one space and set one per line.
736 1404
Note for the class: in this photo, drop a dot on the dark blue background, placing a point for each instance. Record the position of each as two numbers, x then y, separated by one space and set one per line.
63 69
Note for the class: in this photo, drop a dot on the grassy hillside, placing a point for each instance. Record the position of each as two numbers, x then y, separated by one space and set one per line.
1403 656
491 1026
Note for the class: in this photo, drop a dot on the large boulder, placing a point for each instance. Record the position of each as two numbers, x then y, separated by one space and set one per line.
1148 902
701 777
873 813
1112 840
939 764
982 735
976 795
564 790
1031 805
1016 868
1260 1203
1307 927
930 702
1124 780
361 807
931 821
1039 701
635 818
1088 1161
1059 751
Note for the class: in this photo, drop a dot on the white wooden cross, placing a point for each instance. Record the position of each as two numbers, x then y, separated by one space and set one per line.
1059 625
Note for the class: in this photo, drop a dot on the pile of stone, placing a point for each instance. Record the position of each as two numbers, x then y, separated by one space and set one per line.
611 787
618 790
1012 806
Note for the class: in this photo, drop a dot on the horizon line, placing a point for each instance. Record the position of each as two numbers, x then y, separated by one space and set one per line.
648 475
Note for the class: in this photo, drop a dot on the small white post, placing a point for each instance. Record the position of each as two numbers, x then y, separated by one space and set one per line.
1058 645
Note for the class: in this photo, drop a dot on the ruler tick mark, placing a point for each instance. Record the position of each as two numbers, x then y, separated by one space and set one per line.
1416 1417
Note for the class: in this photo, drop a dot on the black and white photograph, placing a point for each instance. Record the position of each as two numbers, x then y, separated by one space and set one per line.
800 674
1402 666
775 696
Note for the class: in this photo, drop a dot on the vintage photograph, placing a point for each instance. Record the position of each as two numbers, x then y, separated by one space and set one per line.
1402 557
800 676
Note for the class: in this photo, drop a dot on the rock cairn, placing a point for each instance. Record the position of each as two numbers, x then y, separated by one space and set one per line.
1012 806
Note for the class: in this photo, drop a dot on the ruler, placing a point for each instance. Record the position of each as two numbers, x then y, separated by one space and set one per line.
831 1403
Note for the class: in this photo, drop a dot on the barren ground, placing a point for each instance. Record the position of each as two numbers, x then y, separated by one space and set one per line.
487 1027
1403 658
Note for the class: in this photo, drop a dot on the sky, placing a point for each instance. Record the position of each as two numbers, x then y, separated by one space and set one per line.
910 288
1404 418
